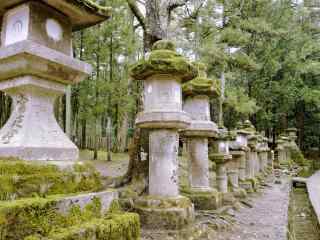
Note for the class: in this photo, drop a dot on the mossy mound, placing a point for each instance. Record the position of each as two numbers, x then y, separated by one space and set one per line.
204 200
201 86
39 218
165 213
20 179
164 60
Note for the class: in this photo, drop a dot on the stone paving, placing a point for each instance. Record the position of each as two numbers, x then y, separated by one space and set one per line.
267 220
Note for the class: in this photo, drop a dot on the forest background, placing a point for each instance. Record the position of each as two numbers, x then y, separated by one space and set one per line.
267 53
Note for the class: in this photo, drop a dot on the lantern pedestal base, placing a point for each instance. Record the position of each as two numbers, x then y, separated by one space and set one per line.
165 213
210 199
32 132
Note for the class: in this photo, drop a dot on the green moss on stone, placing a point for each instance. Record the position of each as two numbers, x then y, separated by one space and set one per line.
125 226
164 213
38 218
20 179
204 200
164 60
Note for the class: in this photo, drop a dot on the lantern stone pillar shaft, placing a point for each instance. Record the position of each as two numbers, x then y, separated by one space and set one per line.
163 165
164 208
253 160
36 66
199 165
222 177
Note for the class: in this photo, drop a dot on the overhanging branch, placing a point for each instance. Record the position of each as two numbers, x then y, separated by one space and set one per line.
137 13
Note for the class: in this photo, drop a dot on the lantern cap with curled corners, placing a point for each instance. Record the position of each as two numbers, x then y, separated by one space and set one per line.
164 60
201 85
82 13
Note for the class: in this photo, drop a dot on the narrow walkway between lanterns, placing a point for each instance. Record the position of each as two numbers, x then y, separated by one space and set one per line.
266 220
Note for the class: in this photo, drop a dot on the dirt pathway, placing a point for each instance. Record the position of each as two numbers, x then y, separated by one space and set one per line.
266 220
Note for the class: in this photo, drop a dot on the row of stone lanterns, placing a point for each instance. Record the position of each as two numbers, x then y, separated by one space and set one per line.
168 77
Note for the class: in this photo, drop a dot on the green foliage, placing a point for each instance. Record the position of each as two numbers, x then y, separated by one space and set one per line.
297 157
234 37
240 102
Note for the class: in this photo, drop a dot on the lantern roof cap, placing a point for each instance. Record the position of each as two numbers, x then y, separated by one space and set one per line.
82 13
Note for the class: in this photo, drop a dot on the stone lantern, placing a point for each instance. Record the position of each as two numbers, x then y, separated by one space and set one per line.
292 135
36 66
265 155
219 153
281 154
163 73
253 160
237 150
287 147
242 146
197 94
260 150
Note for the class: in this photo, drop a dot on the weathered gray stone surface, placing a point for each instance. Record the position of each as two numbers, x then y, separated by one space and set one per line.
30 58
106 198
163 165
313 185
199 163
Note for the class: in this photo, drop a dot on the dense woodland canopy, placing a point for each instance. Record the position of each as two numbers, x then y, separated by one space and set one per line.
267 51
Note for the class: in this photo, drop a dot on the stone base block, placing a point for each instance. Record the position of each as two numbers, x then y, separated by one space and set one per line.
247 186
260 177
57 156
165 213
229 199
205 200
255 183
239 193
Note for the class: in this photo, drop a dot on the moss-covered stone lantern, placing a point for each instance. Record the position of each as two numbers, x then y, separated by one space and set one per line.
260 151
197 94
252 157
219 153
287 147
244 131
36 66
237 172
281 154
163 73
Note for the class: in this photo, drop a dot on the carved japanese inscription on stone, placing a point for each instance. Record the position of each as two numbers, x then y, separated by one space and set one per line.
17 25
17 122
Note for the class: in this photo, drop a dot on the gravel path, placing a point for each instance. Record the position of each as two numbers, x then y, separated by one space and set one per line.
267 220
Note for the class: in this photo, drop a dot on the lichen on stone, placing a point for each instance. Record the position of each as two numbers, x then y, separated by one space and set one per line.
163 60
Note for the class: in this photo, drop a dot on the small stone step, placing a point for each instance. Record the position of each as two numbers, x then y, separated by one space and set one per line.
106 198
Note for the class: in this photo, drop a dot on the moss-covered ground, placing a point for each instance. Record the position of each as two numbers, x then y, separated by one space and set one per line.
30 193
303 223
